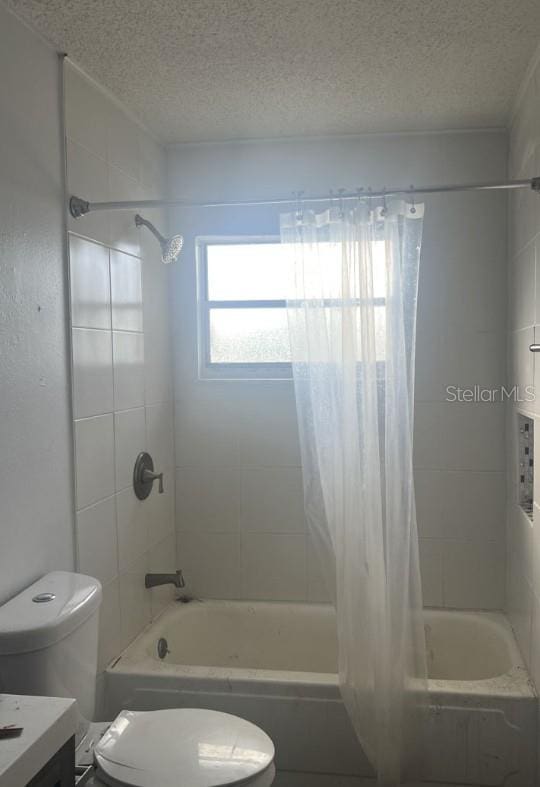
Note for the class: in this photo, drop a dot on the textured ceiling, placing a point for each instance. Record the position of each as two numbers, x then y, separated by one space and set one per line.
226 69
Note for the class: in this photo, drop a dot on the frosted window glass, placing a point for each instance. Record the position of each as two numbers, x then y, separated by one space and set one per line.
380 333
249 336
325 264
251 271
379 269
262 271
247 272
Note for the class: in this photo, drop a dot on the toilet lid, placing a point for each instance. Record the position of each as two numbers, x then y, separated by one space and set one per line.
184 746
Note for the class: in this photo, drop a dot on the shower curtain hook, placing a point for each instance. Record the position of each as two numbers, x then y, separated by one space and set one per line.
413 208
370 199
299 212
341 192
332 196
384 209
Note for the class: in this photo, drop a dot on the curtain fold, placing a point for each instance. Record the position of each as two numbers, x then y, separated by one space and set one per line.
352 318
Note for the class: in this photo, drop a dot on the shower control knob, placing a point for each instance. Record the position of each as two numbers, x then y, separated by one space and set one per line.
149 477
144 476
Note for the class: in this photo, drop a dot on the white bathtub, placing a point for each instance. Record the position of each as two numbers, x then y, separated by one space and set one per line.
275 664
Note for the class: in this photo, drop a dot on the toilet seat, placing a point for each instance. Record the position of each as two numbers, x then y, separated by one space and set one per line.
184 746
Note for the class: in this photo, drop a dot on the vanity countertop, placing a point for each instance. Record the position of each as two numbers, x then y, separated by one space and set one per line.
48 723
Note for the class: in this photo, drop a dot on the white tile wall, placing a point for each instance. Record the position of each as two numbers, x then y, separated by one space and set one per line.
237 449
87 174
459 436
157 365
274 566
90 284
124 233
431 562
534 580
472 572
129 441
212 563
92 372
126 292
162 558
464 574
208 498
473 506
110 631
128 367
429 488
521 361
159 435
523 534
122 405
205 428
135 604
519 606
161 510
534 661
317 589
273 500
133 522
97 540
94 459
522 308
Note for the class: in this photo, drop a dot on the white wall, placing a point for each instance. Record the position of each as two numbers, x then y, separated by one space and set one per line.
240 528
121 364
523 535
36 511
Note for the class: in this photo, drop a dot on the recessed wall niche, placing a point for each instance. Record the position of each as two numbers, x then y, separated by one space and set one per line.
526 463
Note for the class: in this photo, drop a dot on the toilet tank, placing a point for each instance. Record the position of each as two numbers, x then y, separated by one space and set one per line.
49 639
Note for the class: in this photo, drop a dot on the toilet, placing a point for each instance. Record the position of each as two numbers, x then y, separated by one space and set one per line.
48 646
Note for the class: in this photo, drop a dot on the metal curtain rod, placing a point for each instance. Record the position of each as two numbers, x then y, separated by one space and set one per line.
79 207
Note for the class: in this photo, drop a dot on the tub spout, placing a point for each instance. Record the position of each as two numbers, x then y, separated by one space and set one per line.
153 580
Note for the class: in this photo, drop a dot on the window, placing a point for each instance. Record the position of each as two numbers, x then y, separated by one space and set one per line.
243 284
242 316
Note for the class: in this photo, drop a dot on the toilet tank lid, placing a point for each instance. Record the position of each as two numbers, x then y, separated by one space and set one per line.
47 611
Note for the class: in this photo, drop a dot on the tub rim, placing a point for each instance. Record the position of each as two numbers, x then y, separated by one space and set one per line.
135 660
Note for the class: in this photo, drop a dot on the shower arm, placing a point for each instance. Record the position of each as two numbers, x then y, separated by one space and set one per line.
139 222
79 207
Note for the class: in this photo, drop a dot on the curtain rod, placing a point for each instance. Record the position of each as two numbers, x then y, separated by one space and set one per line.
79 207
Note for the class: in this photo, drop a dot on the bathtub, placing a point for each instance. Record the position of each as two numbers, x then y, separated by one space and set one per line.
275 664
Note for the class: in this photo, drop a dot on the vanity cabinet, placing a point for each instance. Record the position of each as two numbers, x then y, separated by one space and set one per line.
59 771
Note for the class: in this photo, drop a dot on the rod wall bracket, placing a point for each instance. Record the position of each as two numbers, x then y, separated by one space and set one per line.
535 184
78 207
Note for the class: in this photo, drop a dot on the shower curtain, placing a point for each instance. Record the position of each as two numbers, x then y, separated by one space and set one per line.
352 320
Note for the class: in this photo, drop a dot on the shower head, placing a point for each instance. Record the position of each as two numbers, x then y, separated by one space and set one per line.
170 247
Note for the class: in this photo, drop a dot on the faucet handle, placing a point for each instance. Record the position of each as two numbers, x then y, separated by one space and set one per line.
144 476
149 476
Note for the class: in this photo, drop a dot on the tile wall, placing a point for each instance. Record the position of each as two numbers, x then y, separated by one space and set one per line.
241 532
122 389
523 532
240 516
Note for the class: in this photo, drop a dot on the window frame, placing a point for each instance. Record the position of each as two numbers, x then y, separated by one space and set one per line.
231 370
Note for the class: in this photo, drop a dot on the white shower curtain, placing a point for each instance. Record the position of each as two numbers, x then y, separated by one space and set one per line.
352 319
